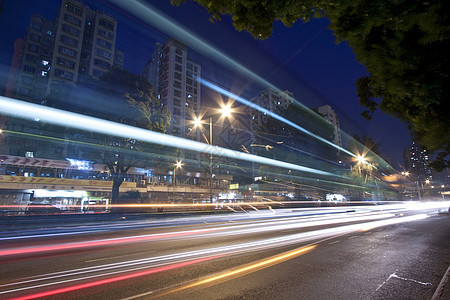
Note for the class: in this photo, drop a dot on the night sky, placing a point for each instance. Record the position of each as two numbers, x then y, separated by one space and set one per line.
303 58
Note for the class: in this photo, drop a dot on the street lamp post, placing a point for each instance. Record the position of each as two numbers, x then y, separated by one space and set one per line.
177 165
226 111
210 159
405 174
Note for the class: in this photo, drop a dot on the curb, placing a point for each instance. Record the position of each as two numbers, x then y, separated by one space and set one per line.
439 291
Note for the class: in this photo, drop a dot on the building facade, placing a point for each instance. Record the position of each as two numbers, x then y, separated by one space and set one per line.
330 115
173 75
272 100
32 81
417 162
79 44
85 43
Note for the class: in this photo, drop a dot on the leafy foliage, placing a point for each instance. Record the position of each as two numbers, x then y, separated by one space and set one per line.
403 44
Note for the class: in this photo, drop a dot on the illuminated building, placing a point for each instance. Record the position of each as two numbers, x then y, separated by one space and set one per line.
417 160
80 43
173 73
36 61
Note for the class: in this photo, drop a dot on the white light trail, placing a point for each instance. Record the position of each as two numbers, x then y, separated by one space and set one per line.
50 115
153 17
270 113
139 264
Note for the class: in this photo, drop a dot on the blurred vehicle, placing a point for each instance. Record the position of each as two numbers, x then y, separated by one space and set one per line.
35 208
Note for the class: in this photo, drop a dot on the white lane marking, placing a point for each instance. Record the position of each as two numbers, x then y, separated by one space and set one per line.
390 276
335 242
393 275
413 280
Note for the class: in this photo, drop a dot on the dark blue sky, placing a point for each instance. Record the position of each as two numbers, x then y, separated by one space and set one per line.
303 58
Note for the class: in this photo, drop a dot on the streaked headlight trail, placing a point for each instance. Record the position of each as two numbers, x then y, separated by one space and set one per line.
63 118
97 275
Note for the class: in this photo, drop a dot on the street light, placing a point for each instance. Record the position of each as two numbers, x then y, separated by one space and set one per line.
405 174
226 111
361 159
177 165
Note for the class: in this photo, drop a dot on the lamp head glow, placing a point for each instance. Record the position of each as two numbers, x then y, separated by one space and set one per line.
427 181
361 159
226 110
179 164
197 121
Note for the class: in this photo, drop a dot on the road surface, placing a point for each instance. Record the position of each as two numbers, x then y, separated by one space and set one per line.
386 252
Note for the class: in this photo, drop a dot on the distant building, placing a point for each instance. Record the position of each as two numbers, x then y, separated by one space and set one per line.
119 57
36 62
13 78
173 75
85 42
417 162
330 115
79 44
272 100
150 71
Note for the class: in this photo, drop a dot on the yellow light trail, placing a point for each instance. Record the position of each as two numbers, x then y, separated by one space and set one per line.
266 263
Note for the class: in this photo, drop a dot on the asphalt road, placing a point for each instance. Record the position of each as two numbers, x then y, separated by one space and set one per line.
389 252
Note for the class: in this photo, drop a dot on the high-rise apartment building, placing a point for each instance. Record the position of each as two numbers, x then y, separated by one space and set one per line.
330 115
80 43
85 43
69 39
173 75
417 162
31 84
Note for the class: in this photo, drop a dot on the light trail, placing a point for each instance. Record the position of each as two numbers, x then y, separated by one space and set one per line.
276 259
179 259
270 113
49 235
155 18
105 242
113 279
199 205
239 229
50 115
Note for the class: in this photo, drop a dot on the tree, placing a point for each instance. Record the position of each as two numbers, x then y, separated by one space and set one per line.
144 110
403 44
